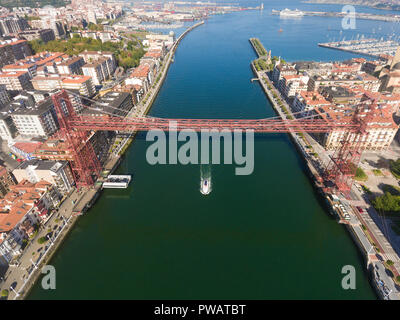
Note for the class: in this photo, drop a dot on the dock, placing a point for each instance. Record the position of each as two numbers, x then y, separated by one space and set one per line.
117 181
369 47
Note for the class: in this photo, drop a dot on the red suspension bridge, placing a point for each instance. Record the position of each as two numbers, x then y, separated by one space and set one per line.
75 131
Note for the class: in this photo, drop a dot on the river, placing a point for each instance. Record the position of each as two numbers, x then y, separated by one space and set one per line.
261 236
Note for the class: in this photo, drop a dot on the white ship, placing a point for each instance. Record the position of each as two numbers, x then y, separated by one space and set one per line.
205 187
291 13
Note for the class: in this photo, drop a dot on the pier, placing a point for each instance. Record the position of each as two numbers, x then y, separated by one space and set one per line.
369 47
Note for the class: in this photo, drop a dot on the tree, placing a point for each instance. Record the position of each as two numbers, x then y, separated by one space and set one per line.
389 262
395 168
42 240
387 202
95 27
127 58
4 293
360 175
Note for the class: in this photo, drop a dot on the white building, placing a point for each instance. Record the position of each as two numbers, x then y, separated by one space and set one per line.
38 121
57 173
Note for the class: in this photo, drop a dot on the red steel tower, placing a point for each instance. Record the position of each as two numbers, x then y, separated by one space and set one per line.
343 165
85 164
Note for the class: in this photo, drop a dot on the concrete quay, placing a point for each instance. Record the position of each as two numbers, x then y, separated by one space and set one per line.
362 233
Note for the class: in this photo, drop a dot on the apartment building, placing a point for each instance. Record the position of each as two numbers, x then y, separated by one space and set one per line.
44 35
13 50
6 180
380 127
8 130
22 209
4 97
306 102
48 22
58 173
113 102
16 80
364 80
281 70
140 76
83 84
97 70
10 25
92 56
37 121
289 85
71 66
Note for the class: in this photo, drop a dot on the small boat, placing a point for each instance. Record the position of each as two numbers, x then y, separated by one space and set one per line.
280 30
205 187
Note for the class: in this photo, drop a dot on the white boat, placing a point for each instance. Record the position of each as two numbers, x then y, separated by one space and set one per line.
291 13
205 187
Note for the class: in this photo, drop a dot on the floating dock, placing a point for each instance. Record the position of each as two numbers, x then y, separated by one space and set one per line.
117 182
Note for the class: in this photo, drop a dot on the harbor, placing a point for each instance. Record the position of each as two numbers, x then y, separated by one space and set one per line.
368 47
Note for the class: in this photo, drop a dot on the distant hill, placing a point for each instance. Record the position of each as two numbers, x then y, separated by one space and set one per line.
33 3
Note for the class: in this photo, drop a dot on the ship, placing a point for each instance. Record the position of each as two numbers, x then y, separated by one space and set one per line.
291 13
205 186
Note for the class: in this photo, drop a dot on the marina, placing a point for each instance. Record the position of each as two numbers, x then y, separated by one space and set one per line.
370 47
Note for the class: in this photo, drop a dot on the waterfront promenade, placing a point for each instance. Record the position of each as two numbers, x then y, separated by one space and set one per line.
19 279
363 230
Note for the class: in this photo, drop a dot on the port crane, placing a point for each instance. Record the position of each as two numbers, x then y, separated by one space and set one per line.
76 130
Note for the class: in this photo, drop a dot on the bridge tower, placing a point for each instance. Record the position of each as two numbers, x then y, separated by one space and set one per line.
85 165
340 171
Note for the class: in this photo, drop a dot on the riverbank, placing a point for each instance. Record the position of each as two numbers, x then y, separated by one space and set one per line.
85 199
315 164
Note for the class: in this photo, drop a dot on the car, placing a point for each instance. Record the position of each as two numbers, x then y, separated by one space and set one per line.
360 210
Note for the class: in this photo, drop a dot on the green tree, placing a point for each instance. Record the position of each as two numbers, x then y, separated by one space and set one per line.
4 293
360 175
42 240
395 168
387 202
